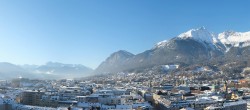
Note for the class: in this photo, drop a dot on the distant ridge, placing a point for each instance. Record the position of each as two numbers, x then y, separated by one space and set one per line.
51 70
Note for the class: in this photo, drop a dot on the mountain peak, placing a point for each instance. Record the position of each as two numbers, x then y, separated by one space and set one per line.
113 61
123 52
235 38
119 55
200 34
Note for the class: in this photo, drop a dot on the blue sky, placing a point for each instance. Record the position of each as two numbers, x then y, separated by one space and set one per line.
88 31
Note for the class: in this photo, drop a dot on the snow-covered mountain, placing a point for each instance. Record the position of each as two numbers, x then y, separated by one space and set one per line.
51 70
8 70
194 46
228 38
234 39
60 69
200 34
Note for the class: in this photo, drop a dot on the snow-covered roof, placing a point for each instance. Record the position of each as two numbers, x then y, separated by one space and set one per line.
86 104
123 106
235 103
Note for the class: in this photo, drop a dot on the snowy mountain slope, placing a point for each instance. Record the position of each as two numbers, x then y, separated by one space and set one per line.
222 41
161 44
192 47
235 39
200 34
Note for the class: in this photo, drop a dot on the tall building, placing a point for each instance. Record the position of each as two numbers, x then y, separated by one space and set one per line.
31 97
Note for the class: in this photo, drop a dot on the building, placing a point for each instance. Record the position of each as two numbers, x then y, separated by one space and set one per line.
31 97
5 107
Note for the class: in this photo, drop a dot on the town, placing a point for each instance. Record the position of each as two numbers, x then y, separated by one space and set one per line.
124 55
126 91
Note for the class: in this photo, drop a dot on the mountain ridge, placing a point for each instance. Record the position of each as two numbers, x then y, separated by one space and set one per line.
193 46
50 70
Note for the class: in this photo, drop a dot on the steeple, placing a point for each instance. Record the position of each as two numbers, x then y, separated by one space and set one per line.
225 86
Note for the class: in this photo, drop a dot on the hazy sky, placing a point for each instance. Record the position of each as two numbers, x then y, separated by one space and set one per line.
88 31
